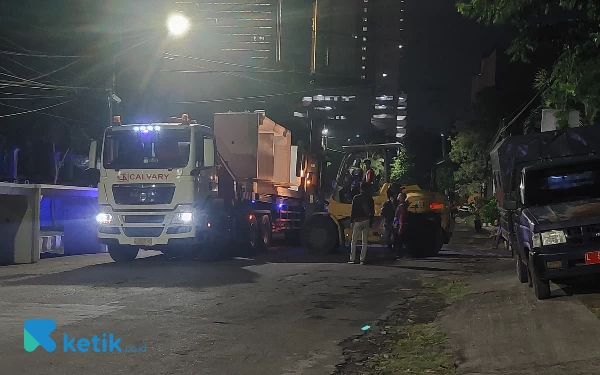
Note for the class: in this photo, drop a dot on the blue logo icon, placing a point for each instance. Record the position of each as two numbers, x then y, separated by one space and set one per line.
36 332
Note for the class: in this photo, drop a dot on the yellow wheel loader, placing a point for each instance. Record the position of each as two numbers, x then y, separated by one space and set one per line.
430 219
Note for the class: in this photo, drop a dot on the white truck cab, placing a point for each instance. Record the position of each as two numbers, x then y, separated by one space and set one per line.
154 181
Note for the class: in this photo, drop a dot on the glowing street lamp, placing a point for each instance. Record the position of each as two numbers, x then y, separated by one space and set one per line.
178 24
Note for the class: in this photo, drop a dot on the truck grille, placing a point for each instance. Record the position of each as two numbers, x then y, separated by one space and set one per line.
138 194
588 234
142 232
143 219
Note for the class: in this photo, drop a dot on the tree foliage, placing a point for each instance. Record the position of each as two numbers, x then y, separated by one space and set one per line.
569 29
402 169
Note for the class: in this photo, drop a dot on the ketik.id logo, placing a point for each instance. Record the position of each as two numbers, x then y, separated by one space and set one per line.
36 332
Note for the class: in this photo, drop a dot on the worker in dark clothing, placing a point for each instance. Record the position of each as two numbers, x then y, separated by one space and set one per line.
388 212
369 172
362 215
356 174
401 215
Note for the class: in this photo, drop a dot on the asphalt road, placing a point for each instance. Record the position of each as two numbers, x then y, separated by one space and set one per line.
282 313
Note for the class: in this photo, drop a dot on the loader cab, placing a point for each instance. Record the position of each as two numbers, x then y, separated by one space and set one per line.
354 167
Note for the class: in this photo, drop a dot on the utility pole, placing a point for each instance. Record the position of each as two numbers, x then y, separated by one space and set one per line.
443 146
111 89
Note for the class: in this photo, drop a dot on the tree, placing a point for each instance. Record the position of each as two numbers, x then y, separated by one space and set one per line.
402 169
567 29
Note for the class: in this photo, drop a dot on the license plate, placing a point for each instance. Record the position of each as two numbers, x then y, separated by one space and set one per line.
142 241
592 258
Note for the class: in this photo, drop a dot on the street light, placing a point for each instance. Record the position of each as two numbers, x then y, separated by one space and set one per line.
325 131
178 24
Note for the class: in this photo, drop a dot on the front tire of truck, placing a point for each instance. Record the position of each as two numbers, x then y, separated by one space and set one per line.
541 288
522 272
319 235
123 253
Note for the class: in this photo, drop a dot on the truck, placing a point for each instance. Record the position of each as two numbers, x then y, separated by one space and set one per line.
547 187
431 219
184 188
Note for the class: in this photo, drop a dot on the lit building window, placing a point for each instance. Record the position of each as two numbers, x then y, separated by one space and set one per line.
366 10
364 48
400 46
364 38
365 19
364 58
366 1
363 67
401 19
364 28
363 77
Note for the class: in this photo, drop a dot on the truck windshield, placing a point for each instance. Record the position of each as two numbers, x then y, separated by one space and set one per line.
566 183
128 149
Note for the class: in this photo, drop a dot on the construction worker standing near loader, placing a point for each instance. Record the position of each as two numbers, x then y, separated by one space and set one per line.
362 216
401 214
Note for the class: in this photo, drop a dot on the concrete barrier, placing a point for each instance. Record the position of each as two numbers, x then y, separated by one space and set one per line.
46 218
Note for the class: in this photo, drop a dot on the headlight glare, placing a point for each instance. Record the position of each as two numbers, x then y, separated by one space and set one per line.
553 237
183 218
103 218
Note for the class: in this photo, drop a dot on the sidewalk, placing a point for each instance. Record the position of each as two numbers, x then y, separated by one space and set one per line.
500 328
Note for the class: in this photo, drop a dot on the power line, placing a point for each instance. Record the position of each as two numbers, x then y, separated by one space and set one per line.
261 96
32 110
36 97
258 68
41 55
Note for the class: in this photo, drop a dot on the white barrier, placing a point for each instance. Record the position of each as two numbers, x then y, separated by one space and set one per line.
20 233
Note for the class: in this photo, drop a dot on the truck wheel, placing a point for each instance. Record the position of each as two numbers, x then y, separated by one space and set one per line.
253 239
522 272
320 235
123 253
541 288
266 233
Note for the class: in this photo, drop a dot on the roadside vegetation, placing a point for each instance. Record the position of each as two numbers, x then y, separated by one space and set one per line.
409 341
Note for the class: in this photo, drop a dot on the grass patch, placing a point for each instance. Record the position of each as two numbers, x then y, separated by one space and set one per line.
451 290
420 350
592 302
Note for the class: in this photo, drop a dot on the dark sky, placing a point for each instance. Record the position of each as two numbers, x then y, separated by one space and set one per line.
443 52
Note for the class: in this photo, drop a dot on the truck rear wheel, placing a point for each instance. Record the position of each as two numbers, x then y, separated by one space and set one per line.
266 233
320 235
253 237
123 253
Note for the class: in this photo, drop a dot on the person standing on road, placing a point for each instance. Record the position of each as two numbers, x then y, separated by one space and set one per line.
362 215
498 236
401 213
388 212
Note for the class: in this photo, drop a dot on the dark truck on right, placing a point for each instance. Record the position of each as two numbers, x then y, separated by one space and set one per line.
548 191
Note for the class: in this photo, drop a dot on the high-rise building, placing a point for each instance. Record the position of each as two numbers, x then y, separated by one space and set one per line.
360 43
383 30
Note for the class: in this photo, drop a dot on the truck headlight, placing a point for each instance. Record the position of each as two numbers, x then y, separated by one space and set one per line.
553 237
182 218
103 218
